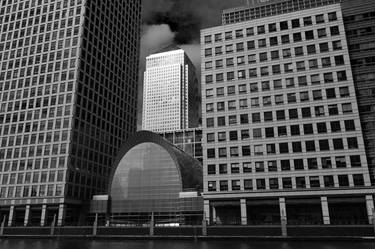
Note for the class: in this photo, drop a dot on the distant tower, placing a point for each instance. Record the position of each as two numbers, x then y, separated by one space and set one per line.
170 98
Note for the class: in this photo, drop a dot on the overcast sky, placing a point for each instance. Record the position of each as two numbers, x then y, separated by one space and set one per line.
166 22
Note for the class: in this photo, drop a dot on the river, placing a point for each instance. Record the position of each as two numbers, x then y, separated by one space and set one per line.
173 244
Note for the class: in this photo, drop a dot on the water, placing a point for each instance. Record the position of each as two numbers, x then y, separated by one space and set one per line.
122 244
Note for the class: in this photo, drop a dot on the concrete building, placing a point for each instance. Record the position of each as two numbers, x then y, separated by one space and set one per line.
68 89
170 97
282 135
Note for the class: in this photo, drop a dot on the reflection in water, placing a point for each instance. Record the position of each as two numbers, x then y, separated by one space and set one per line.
117 244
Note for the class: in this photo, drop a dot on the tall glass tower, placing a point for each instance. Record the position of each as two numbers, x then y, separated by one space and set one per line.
68 87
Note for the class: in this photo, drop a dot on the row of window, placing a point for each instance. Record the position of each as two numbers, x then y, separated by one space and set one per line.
285 148
272 27
275 41
275 70
279 99
284 165
35 177
267 85
328 181
264 56
282 131
268 116
31 151
32 191
30 164
46 137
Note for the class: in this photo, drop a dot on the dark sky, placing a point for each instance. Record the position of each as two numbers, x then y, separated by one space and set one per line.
166 22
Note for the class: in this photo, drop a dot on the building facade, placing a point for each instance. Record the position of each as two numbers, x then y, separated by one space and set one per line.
170 94
189 140
68 87
282 136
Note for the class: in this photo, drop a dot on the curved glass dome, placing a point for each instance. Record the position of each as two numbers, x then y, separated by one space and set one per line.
149 175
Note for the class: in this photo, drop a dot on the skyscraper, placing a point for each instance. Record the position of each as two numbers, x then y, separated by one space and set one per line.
281 126
68 87
170 95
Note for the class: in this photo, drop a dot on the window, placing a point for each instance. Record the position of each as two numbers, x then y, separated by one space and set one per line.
269 132
258 150
245 134
210 122
230 76
219 77
231 90
338 144
283 148
223 185
218 50
336 45
339 60
358 180
272 166
275 55
349 125
291 98
294 130
298 51
221 136
355 161
209 79
257 133
250 31
343 180
307 21
308 129
326 62
352 143
328 77
261 183
211 186
236 185
284 25
211 169
243 103
267 101
298 164
315 79
287 53
264 71
246 150
287 182
239 33
333 110
259 166
280 115
341 76
297 147
229 48
242 89
210 137
263 56
207 39
220 106
309 35
313 64
235 168
295 23
321 127
268 116
323 47
332 16
228 35
252 72
312 163
261 29
255 117
229 62
262 43
218 37
326 163
317 94
208 52
271 149
281 131
277 84
233 136
248 184
220 91
285 39
310 145
223 152
289 82
334 30
330 93
240 60
328 181
250 45
279 99
272 27
347 108
300 182
254 102
221 121
297 37
311 49
293 114
210 107
234 152
246 167
319 111
274 183
211 153
273 41
302 80
265 85
323 145
319 18
232 119
223 169
322 32
239 47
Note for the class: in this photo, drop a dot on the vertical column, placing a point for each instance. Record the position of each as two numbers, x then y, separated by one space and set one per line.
283 216
61 215
243 212
11 213
43 215
325 210
370 208
206 210
27 215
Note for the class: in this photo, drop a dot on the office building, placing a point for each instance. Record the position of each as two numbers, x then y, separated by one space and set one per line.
68 89
282 135
170 94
